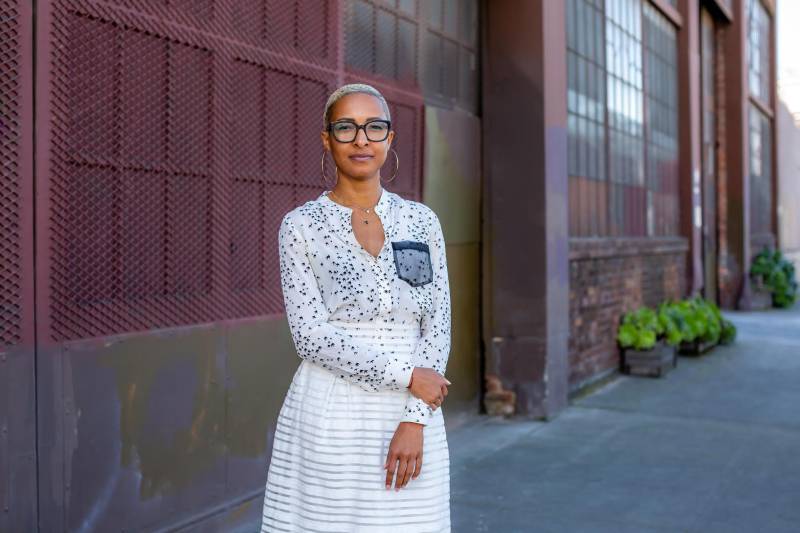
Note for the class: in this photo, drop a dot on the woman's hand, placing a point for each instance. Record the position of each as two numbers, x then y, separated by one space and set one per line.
405 455
429 386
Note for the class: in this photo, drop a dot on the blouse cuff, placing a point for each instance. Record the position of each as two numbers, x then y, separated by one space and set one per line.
397 374
417 411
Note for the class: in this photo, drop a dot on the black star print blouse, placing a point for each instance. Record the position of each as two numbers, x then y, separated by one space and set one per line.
326 275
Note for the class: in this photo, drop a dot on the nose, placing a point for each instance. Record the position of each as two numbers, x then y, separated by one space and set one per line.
361 137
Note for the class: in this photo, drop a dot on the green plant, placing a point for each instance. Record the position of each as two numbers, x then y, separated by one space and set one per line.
639 329
672 321
778 274
692 319
728 334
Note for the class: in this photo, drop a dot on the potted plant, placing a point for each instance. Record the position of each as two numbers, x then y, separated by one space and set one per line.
772 274
646 347
704 325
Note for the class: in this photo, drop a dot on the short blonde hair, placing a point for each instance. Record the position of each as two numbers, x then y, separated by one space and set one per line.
352 88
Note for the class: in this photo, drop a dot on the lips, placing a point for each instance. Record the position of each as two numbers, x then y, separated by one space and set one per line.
359 158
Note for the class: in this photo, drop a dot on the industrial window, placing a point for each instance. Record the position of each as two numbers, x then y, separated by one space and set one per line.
759 60
622 124
760 174
586 103
758 50
625 117
661 97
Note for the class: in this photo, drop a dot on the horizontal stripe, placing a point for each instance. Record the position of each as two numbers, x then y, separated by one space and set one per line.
342 475
419 507
315 436
307 529
304 406
318 446
403 496
358 489
434 427
328 384
345 516
283 456
387 518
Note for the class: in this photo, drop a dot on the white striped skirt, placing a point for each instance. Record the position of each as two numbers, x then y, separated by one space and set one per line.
331 442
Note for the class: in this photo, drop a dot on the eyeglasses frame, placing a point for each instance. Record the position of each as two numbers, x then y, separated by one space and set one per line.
360 127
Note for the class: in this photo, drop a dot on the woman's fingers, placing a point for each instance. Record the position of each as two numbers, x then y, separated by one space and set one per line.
401 474
391 465
417 467
408 472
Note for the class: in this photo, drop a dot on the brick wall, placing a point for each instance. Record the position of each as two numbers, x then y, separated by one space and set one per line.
609 277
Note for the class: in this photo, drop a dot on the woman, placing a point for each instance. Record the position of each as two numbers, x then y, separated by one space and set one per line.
364 279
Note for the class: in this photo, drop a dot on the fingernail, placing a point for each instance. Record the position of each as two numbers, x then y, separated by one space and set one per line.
448 381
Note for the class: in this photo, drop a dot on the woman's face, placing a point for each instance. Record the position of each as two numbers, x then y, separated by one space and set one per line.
362 158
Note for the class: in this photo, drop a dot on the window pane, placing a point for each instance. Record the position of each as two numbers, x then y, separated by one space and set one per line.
760 173
758 50
662 124
586 105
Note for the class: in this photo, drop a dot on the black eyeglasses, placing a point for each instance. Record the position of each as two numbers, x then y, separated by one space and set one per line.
345 131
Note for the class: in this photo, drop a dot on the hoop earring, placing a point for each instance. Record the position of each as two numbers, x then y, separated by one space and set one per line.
397 165
323 171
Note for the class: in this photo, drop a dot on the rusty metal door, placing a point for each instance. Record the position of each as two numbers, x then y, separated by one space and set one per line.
709 152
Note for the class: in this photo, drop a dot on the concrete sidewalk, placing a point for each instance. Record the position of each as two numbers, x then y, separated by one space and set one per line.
714 446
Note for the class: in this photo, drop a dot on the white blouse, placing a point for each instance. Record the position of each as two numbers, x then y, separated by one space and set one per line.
326 275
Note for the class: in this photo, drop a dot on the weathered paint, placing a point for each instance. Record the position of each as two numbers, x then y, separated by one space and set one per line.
452 190
163 426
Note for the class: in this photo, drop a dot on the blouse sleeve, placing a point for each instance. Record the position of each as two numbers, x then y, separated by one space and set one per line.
433 347
320 342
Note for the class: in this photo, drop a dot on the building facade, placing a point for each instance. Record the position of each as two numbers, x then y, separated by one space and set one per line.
788 128
584 157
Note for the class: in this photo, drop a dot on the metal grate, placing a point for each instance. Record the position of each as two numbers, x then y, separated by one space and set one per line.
174 155
10 179
425 47
181 133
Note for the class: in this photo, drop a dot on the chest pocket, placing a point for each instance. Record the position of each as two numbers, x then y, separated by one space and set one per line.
413 262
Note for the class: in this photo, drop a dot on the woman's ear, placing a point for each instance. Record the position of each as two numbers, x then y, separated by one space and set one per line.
326 143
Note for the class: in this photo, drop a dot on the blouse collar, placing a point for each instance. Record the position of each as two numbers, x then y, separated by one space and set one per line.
342 224
381 207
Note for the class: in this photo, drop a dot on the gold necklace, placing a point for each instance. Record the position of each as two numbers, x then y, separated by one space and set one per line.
367 210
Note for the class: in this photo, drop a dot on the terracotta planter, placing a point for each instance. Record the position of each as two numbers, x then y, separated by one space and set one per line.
654 362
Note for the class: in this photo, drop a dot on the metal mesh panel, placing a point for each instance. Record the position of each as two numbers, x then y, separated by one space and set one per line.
10 179
181 133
